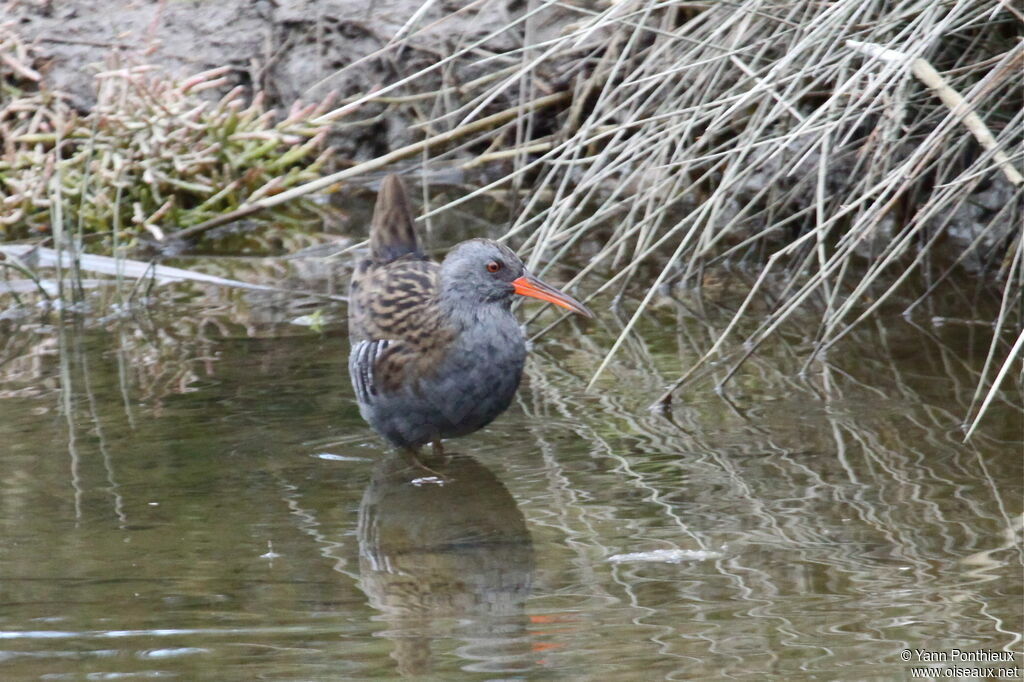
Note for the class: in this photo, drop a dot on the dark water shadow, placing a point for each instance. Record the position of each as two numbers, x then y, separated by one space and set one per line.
447 557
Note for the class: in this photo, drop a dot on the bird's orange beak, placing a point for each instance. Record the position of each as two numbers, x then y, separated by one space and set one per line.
528 285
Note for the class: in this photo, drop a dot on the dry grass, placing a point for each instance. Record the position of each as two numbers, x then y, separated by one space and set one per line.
762 132
836 146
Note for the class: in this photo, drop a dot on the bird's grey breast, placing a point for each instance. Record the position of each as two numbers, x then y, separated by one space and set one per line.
480 374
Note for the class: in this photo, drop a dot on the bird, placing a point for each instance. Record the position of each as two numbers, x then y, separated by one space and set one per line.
436 351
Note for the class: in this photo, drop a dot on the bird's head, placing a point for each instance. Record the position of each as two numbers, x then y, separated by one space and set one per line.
481 271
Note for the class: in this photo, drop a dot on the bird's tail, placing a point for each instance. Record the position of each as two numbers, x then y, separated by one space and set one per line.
392 233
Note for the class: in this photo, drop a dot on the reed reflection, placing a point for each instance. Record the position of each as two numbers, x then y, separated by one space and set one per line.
447 557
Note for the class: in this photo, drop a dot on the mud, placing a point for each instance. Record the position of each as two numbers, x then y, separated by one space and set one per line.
290 49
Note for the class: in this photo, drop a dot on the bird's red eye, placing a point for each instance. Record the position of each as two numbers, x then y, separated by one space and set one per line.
493 266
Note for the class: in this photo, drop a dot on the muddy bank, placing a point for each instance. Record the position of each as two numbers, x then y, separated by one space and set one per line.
289 49
303 49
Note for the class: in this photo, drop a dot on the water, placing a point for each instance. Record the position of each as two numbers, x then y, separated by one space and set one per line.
192 495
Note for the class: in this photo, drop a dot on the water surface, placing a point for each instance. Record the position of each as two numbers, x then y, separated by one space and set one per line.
192 495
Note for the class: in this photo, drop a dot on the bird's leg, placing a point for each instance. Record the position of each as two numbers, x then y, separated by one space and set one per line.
413 456
438 452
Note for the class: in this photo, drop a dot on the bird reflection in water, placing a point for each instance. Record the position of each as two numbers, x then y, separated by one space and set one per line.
447 557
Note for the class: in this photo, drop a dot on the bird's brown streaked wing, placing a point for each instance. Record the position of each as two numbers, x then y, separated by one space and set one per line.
395 324
393 301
